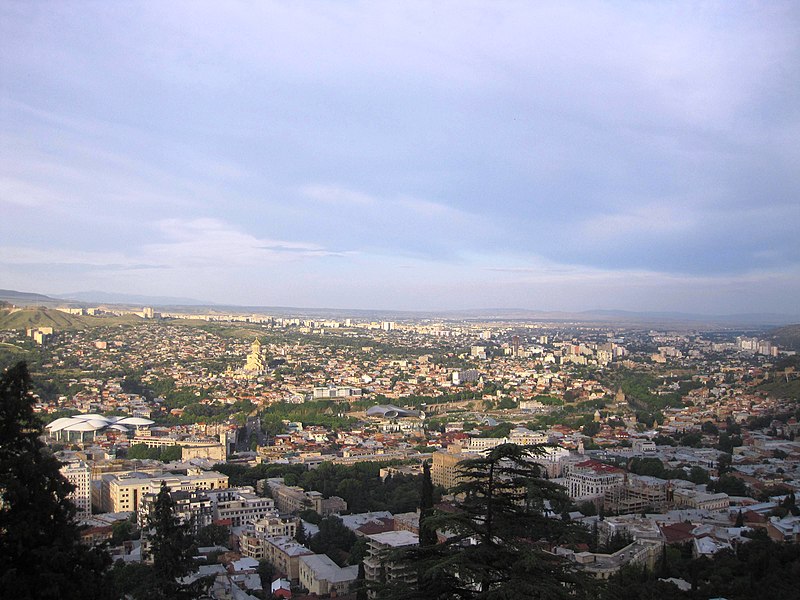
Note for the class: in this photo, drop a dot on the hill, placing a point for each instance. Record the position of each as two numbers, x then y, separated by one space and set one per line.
787 336
46 317
15 297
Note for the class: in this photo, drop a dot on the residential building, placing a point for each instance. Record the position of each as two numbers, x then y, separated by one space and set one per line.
79 474
377 566
126 491
284 553
321 576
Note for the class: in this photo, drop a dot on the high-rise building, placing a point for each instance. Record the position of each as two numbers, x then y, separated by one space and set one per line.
79 474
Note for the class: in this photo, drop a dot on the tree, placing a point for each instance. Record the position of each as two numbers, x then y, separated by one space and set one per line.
591 429
710 428
506 514
213 535
40 552
427 533
333 539
728 484
171 548
300 535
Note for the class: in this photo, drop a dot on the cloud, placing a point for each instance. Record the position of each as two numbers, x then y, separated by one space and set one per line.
204 243
213 243
612 143
20 255
337 196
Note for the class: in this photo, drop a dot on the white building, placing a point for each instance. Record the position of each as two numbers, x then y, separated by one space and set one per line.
591 478
80 475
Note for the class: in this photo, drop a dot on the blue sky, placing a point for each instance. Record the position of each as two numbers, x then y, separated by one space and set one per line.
405 155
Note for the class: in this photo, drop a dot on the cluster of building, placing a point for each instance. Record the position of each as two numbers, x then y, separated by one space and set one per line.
474 376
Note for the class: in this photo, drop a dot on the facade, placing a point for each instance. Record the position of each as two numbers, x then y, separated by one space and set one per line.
240 506
293 499
590 479
284 554
321 576
235 506
324 393
643 553
786 529
444 471
79 474
377 568
255 360
126 492
701 500
639 494
194 508
551 459
525 437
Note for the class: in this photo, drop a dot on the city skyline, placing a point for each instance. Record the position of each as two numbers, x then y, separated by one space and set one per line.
422 156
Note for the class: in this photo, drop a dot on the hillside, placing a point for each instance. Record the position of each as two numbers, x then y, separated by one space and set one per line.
15 297
786 337
45 317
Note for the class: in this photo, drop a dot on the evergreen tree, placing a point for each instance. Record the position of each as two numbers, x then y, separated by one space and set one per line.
40 552
300 534
507 515
172 549
427 533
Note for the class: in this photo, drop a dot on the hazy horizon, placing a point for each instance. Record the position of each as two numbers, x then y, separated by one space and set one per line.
405 156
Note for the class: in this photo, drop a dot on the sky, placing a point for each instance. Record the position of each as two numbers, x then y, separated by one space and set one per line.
405 155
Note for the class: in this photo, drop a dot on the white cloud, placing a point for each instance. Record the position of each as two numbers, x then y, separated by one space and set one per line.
214 243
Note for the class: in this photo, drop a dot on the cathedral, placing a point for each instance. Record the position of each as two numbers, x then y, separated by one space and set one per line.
255 360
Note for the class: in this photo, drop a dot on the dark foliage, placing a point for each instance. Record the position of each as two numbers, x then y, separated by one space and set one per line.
40 552
505 521
171 548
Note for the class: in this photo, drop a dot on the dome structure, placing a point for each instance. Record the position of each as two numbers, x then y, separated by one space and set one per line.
59 424
135 421
390 411
85 423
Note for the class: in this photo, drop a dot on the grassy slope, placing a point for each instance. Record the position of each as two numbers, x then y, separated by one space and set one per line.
44 317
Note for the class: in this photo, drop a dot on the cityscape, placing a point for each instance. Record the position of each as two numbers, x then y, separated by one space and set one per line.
268 430
428 300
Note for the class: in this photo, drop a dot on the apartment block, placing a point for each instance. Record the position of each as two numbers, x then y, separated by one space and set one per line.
79 474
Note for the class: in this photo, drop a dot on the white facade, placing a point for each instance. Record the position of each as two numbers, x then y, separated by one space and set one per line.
80 475
591 478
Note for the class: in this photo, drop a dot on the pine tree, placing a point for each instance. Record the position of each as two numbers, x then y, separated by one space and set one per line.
40 552
171 548
300 535
427 533
739 519
506 515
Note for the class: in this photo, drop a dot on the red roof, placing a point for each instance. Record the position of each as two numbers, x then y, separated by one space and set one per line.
599 466
677 532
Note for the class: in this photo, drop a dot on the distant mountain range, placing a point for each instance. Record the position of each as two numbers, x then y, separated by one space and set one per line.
26 297
618 317
97 297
